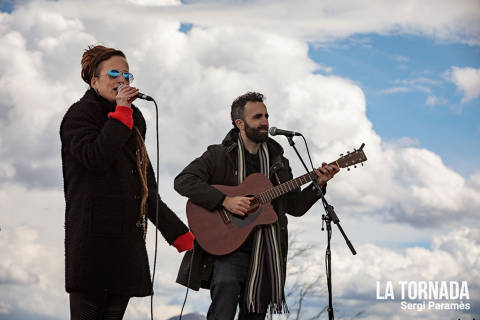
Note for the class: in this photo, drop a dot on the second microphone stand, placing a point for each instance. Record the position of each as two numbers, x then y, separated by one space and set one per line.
328 218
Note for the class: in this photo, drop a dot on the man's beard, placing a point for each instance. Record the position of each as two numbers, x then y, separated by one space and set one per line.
255 135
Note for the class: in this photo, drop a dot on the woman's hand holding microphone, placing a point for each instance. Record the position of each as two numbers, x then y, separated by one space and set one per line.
126 95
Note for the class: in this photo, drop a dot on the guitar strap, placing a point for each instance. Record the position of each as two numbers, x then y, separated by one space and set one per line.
265 259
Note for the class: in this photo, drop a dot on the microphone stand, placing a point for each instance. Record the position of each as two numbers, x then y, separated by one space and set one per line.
328 218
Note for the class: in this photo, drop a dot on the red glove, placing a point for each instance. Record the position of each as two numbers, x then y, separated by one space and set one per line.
184 242
124 115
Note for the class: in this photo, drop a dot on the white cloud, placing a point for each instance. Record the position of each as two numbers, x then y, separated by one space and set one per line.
433 100
155 2
421 84
467 80
453 257
394 90
407 142
324 21
14 274
476 178
31 270
400 58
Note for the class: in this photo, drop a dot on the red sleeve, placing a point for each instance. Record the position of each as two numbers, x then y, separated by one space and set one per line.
124 115
184 242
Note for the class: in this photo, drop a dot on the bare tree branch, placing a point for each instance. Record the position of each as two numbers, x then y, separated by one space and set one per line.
301 286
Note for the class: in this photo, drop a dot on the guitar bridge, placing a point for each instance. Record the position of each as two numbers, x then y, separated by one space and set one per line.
225 216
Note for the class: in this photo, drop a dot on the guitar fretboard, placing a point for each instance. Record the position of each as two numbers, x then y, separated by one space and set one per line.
284 188
350 159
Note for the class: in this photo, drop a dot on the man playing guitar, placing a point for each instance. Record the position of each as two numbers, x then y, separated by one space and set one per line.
252 276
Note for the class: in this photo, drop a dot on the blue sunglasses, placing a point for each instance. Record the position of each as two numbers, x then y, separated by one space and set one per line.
113 74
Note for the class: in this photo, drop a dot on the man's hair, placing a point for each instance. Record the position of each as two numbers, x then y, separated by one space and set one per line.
238 105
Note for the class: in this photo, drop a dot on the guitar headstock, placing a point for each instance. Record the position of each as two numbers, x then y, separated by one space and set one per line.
351 158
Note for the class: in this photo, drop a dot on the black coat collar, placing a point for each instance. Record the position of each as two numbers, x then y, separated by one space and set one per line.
92 97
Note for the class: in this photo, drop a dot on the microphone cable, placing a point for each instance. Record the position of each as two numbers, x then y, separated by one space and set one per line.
156 222
308 152
188 282
156 209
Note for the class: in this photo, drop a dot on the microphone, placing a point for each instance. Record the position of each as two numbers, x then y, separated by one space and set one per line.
274 131
139 95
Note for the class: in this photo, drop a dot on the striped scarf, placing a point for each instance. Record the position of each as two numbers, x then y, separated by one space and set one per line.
265 259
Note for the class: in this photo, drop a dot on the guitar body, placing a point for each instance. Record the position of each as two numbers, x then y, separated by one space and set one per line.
221 232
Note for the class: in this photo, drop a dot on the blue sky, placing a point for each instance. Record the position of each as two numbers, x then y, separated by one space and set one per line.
376 63
6 5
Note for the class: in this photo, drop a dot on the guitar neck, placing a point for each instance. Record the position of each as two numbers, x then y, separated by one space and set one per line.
286 187
358 156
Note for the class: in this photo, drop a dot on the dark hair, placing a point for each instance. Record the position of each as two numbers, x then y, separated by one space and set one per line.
92 60
238 105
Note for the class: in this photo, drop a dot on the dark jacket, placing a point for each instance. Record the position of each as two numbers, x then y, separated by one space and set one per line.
104 249
218 166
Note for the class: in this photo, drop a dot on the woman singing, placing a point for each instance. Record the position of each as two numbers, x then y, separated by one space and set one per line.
110 191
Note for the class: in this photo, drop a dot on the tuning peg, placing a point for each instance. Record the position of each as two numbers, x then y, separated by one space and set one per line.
355 166
348 169
341 154
361 164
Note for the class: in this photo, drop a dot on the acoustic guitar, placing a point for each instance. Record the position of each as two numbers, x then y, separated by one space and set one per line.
220 232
